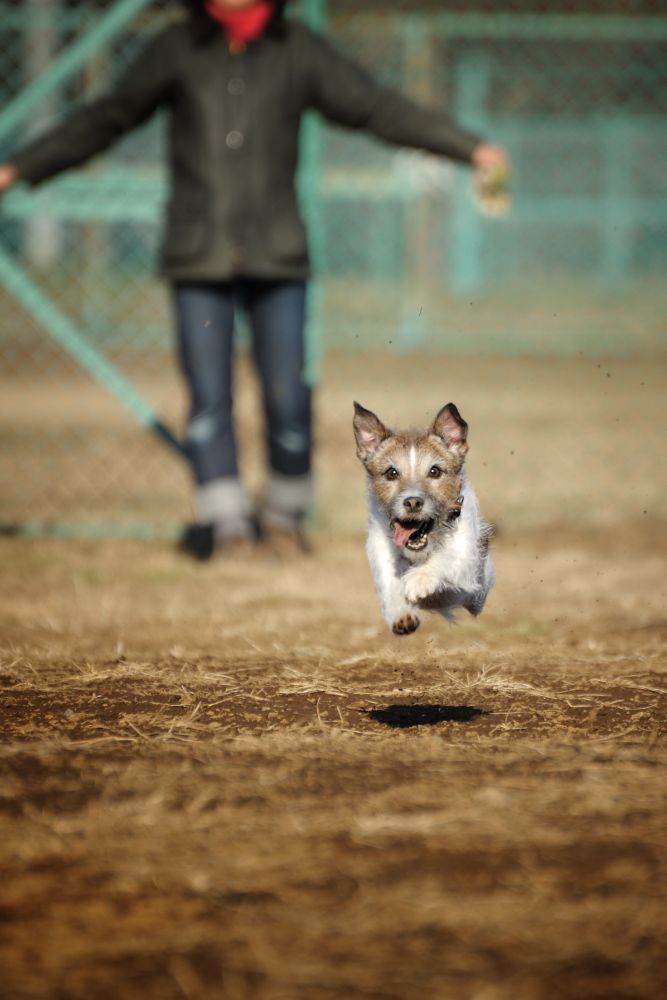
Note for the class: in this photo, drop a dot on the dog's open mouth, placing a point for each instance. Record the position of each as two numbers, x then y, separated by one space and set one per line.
412 534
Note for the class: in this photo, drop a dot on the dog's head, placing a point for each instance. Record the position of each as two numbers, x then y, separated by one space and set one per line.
416 475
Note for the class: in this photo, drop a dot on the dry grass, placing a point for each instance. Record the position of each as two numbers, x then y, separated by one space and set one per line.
220 781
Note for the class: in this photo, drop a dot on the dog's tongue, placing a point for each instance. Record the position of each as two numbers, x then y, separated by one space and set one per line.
402 534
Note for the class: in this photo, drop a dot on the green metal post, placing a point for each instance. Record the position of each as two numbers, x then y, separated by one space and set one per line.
68 62
466 272
413 329
509 25
313 12
64 332
619 202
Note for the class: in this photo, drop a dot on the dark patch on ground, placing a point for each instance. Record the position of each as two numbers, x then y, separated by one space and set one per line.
406 716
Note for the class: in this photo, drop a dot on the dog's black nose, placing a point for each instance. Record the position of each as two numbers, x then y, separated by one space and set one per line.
413 504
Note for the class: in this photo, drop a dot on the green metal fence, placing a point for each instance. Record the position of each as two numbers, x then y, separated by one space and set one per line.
577 93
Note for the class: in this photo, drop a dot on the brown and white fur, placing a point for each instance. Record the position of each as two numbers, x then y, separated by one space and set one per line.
428 545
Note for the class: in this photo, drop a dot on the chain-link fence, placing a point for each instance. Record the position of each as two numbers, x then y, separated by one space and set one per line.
577 92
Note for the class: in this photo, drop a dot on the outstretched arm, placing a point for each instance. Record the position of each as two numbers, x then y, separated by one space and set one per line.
93 127
347 95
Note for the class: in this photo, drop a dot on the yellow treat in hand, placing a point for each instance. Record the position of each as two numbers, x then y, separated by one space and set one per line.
491 190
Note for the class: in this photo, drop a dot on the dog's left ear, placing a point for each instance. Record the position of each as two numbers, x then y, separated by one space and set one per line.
452 428
369 432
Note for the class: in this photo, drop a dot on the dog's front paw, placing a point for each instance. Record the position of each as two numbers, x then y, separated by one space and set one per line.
419 584
405 625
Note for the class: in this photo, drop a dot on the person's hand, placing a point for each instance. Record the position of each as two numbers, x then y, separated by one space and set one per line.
8 176
486 156
492 169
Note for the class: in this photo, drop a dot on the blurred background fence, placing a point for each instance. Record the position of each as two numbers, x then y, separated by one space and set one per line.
577 91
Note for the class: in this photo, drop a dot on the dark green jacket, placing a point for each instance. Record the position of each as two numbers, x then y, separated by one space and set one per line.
233 140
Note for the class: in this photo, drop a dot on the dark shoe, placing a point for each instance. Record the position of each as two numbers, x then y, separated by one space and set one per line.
197 541
203 541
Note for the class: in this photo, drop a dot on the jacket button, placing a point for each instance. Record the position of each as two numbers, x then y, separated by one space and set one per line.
235 86
234 139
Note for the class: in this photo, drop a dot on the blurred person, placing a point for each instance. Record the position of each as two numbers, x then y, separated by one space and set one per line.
235 78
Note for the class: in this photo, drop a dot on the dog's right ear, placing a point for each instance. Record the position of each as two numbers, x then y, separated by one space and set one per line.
369 432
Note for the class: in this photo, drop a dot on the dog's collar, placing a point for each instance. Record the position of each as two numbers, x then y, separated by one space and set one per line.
455 510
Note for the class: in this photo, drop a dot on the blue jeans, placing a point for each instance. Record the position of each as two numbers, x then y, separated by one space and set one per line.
205 322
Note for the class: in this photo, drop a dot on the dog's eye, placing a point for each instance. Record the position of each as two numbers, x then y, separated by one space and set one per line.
391 473
435 472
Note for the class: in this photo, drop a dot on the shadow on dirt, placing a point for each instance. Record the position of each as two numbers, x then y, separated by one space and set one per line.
406 716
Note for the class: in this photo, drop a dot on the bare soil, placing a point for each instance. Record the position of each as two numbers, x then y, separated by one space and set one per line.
231 781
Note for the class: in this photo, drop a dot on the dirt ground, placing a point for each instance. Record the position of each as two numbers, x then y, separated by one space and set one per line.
231 781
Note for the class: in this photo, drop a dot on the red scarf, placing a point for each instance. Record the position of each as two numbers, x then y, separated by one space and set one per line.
242 25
